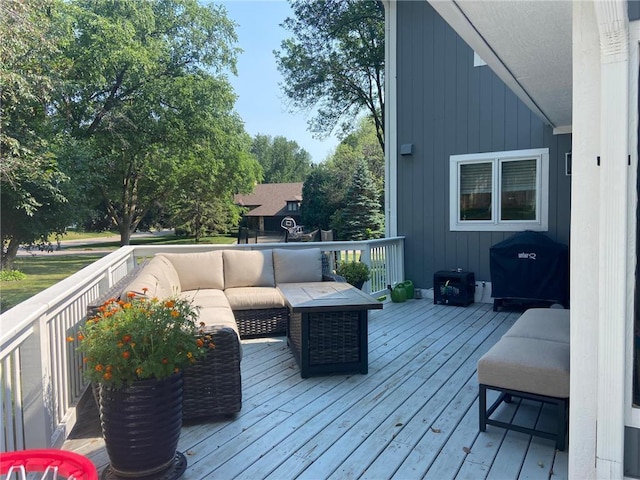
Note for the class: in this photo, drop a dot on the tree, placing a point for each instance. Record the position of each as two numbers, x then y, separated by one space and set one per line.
335 62
206 185
362 143
321 198
32 187
323 193
146 94
282 160
361 218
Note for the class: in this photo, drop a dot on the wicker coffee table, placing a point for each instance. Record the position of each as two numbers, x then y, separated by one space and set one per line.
327 330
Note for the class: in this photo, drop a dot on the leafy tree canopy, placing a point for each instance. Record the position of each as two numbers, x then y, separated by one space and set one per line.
282 160
334 64
147 98
32 187
324 191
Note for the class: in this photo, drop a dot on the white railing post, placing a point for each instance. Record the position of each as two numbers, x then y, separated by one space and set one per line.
38 402
365 257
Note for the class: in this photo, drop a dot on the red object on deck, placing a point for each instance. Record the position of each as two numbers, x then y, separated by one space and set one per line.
61 462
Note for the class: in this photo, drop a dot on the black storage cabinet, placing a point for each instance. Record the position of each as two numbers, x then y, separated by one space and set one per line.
529 267
454 287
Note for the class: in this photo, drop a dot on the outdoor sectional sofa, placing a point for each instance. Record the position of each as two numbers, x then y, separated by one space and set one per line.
237 297
530 361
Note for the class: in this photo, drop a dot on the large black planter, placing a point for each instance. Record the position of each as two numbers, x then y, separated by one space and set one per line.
141 426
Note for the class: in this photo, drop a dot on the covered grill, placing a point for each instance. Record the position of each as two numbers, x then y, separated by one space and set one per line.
529 267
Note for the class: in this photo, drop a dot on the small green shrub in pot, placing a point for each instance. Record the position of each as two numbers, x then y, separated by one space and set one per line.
356 273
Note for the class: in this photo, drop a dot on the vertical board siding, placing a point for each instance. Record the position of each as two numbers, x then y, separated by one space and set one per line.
446 106
633 9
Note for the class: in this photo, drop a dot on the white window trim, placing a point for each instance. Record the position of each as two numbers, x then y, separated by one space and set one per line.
496 225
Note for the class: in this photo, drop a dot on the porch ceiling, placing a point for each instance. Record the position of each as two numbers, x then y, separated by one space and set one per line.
526 43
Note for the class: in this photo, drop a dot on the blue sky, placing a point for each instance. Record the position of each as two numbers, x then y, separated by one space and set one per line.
261 103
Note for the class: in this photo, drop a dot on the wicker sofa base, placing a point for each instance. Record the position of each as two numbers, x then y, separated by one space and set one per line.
213 385
262 323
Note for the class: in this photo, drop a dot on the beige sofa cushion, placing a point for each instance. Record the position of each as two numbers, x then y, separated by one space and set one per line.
198 270
527 365
206 298
544 324
254 298
295 266
158 278
248 268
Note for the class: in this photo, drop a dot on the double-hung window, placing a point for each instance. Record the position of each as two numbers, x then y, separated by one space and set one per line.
499 191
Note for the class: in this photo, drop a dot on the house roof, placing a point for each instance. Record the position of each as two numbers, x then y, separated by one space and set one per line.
527 44
270 199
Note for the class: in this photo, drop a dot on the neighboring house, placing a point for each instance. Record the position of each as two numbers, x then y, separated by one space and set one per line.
484 102
269 204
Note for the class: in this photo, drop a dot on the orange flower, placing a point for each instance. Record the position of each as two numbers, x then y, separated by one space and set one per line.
169 303
126 338
139 371
165 361
200 343
131 295
145 290
80 337
70 339
175 313
99 367
126 354
107 376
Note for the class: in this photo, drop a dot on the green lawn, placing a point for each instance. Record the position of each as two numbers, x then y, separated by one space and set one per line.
42 271
45 270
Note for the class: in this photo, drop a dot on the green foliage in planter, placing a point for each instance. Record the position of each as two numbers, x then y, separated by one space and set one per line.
353 272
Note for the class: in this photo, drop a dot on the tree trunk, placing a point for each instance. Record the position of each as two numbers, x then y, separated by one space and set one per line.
125 234
9 256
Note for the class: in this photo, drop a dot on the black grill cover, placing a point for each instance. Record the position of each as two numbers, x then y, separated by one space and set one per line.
530 266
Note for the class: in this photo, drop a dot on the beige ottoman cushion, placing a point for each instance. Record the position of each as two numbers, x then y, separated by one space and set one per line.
254 298
296 266
549 324
527 365
248 268
198 270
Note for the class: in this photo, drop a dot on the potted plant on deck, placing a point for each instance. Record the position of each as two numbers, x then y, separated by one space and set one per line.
134 351
355 273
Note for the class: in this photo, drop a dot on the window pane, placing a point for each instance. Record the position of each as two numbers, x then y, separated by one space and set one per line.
518 190
475 191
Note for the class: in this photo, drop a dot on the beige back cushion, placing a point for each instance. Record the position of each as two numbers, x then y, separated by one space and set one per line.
198 270
157 278
294 266
248 268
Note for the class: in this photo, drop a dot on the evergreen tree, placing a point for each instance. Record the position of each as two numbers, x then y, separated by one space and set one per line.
361 218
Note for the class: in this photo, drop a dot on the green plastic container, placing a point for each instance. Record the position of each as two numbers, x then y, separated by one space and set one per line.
399 294
408 286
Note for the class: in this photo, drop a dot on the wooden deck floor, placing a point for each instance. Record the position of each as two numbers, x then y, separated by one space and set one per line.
415 415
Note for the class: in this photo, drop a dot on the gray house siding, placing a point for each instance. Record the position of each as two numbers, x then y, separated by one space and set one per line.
633 9
446 106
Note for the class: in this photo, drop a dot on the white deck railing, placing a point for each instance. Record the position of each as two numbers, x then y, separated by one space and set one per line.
40 373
